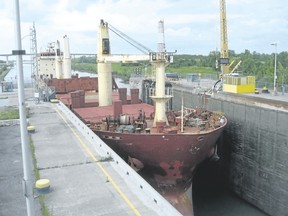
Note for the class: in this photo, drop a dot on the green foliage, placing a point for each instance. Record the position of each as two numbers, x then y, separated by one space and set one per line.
3 72
44 208
87 67
183 71
255 64
9 113
85 59
184 64
83 63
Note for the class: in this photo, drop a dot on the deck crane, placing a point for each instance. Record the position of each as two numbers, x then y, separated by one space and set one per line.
160 59
104 60
130 40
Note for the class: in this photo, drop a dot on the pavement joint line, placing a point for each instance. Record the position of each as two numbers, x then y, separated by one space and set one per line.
44 112
65 165
109 178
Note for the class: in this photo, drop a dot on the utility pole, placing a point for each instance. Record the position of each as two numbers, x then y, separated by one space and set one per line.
26 154
34 63
275 69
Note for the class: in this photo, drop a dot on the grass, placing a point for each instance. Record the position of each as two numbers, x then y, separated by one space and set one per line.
9 113
106 159
183 71
44 208
3 72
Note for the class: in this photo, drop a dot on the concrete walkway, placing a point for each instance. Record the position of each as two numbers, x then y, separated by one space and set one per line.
83 181
12 201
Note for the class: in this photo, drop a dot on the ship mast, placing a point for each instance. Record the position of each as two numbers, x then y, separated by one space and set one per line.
104 68
161 60
66 59
58 61
104 60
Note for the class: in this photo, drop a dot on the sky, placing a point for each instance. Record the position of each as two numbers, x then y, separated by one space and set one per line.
191 27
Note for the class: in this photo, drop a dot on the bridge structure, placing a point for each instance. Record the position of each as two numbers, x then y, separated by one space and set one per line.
7 56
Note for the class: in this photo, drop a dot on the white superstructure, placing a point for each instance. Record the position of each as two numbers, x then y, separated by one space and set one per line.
53 62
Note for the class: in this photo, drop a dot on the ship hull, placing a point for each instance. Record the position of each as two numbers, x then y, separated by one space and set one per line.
168 160
170 157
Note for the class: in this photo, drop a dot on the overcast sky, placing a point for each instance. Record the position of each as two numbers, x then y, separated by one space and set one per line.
191 27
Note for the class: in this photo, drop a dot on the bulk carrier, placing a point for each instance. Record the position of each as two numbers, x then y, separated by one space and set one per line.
164 146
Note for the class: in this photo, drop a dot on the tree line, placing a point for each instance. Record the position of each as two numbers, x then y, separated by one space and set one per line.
252 63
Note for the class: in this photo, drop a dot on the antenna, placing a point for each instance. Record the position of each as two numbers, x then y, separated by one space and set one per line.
161 39
33 51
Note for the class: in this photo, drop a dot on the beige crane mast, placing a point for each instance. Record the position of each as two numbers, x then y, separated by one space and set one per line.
224 58
105 60
160 59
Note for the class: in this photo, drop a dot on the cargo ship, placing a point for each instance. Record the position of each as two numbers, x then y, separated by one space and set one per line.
164 146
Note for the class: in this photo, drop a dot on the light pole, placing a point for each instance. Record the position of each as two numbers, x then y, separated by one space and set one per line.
28 179
275 68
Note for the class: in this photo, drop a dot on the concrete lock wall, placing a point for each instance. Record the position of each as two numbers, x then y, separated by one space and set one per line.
253 150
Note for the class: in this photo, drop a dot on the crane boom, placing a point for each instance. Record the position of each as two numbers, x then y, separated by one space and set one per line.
236 67
125 58
130 40
159 59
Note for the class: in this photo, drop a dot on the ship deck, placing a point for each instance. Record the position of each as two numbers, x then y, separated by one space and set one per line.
91 97
96 116
92 114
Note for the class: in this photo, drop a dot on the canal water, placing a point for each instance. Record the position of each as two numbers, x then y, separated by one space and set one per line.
211 196
13 74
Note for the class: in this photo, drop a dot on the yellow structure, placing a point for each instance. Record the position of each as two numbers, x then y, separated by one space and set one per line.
42 183
42 186
224 38
31 128
232 84
239 85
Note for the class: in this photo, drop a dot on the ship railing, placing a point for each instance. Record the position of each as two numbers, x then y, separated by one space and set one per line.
168 92
43 92
146 193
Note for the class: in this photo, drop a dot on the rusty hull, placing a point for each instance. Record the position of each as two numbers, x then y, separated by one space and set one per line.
76 83
171 158
166 157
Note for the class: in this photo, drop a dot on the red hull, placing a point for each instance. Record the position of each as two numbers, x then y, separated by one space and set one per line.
168 156
171 158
